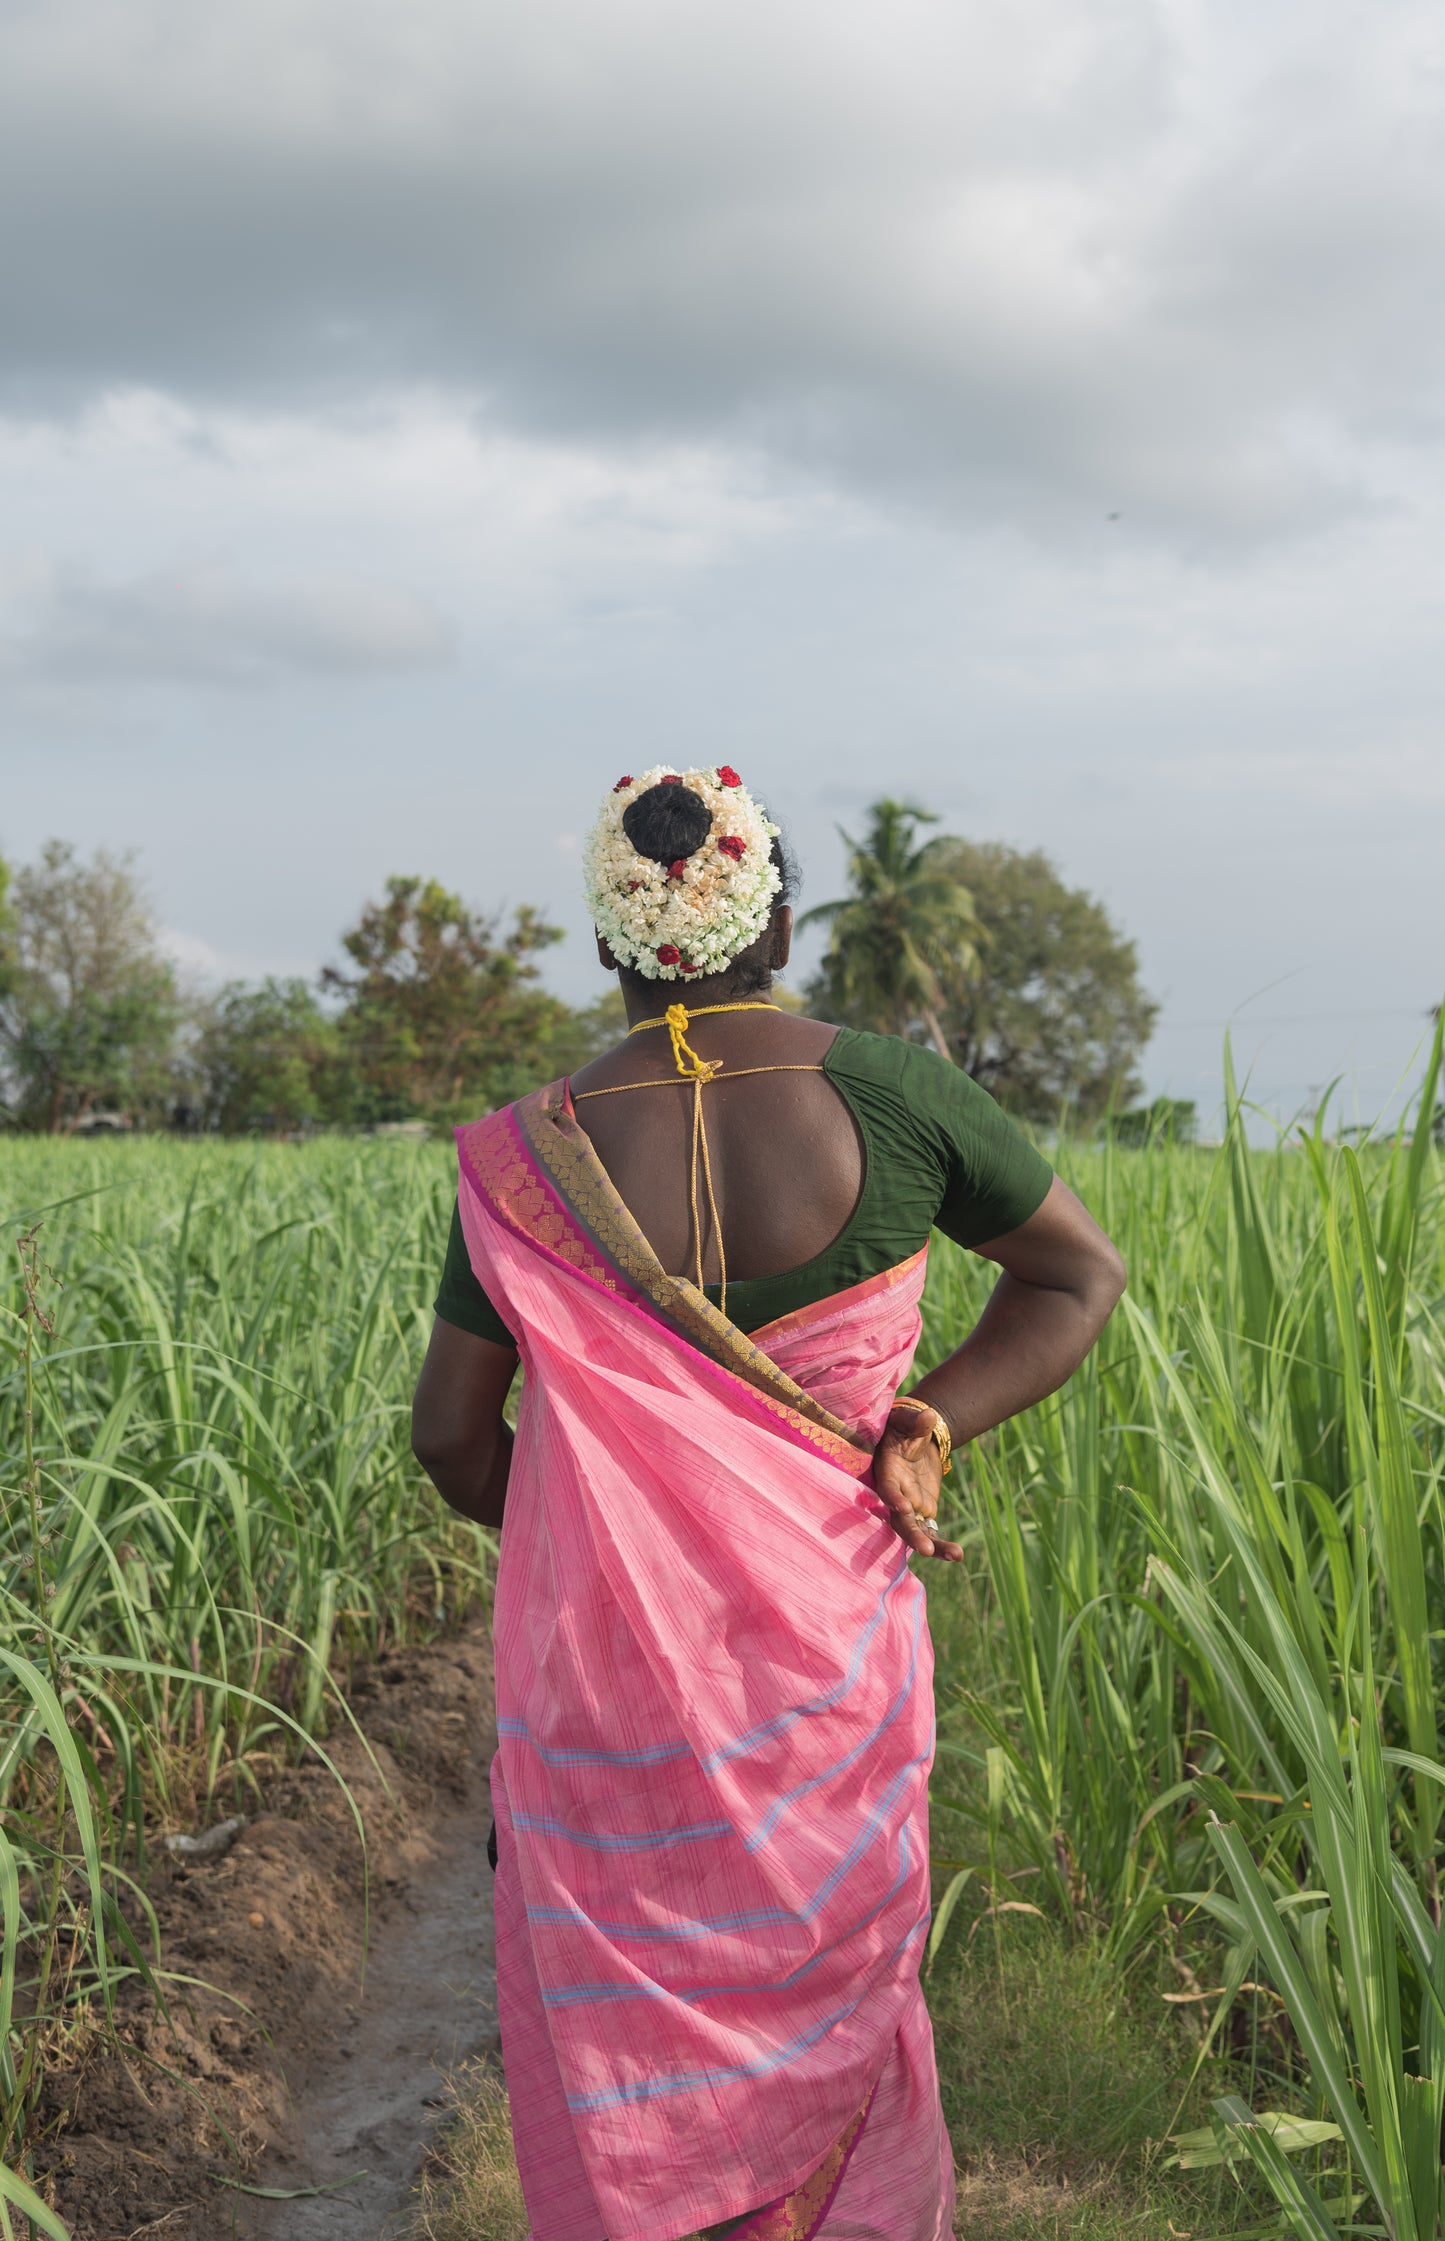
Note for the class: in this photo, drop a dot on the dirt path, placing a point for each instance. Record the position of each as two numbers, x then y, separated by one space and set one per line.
277 2064
429 2002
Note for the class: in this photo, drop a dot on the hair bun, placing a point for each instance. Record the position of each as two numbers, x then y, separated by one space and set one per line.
681 871
667 822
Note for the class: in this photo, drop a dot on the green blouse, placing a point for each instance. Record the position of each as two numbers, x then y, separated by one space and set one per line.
938 1154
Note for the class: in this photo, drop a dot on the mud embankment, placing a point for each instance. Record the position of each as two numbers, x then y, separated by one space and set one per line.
285 2063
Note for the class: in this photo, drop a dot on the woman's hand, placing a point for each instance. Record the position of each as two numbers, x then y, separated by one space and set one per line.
907 1471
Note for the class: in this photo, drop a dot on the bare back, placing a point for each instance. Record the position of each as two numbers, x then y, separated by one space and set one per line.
786 1154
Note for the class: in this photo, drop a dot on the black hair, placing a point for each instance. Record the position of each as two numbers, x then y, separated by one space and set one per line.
667 822
789 870
751 972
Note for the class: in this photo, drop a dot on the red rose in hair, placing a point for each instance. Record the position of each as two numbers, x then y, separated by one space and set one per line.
677 869
670 779
727 776
627 781
633 885
732 846
683 966
667 955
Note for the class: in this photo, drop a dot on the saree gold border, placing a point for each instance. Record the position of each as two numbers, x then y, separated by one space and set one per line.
564 1151
527 1206
800 2213
782 1325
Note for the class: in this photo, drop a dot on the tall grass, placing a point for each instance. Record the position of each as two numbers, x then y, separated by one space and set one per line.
210 1507
1206 1607
1188 1679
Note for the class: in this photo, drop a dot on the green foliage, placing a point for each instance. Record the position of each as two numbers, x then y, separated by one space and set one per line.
1201 1668
1061 2078
582 1035
437 1017
904 927
270 1058
1047 1012
1167 1120
442 1015
208 1508
1024 982
7 930
91 1013
1188 1679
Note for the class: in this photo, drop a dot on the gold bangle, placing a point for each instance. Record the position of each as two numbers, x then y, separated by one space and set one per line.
938 1431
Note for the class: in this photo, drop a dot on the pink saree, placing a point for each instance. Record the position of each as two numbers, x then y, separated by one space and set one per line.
714 1694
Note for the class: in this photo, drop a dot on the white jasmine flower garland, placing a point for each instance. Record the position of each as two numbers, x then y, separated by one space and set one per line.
673 922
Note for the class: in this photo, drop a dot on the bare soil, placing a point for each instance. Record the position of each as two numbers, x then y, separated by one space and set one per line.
305 2045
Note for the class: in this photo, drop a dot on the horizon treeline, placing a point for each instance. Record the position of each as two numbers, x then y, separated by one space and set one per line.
438 1011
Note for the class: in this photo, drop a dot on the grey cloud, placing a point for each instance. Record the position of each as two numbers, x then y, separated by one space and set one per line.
1034 262
211 628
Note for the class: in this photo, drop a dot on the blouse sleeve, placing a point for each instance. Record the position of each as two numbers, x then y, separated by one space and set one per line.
460 1298
993 1177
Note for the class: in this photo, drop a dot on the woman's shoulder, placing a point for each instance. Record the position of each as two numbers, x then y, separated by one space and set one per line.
911 1068
920 1107
501 1118
909 1089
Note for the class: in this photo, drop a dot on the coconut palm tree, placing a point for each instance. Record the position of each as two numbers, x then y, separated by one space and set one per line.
904 925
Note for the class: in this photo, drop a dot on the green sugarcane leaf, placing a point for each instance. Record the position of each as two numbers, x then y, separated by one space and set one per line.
1294 2194
62 1742
944 1913
1398 1512
1290 1978
1421 2103
13 2190
1198 2150
9 1945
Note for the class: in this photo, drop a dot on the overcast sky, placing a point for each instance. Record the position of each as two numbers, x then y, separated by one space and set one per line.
412 416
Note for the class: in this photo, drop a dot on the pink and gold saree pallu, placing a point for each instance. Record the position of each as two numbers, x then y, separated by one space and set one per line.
714 1694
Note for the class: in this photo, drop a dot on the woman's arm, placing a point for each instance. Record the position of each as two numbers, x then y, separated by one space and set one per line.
1062 1279
458 1433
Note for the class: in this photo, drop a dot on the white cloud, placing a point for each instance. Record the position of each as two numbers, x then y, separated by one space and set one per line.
1033 405
203 966
153 540
208 626
1027 262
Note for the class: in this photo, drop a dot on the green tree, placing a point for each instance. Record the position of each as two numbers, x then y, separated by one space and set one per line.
7 931
270 1057
91 1013
904 929
1167 1120
1049 1013
584 1034
442 1016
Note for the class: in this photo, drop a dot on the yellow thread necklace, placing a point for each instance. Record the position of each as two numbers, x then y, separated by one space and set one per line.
699 1071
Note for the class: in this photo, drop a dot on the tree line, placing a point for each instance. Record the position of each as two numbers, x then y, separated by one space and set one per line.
437 1010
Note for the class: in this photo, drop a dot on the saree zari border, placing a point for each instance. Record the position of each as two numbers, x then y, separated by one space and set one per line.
798 2215
868 1287
535 1166
497 1160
